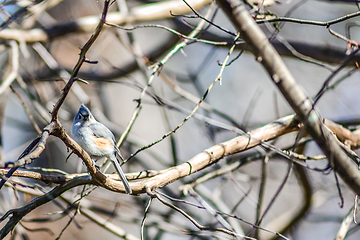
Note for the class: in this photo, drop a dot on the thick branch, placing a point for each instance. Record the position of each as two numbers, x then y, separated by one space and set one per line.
156 179
163 177
55 128
19 213
146 12
294 93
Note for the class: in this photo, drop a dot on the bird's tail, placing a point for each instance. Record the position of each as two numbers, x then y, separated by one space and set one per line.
121 174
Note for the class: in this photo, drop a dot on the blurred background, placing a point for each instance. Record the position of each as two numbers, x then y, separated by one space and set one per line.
40 45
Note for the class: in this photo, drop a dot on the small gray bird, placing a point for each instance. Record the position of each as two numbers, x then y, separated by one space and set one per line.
97 140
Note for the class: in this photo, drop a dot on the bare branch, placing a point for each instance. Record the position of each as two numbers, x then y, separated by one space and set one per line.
19 213
294 94
193 221
15 67
311 22
87 24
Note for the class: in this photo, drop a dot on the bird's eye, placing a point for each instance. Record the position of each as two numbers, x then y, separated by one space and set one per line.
79 116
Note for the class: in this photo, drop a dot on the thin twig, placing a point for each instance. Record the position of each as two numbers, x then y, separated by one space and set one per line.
221 213
61 72
263 181
145 216
310 22
181 36
218 78
30 116
14 65
193 221
19 213
292 91
157 67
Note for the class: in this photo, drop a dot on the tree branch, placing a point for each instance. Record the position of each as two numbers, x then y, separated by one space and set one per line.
19 213
294 93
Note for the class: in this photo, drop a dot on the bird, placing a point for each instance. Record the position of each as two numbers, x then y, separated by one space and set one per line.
97 140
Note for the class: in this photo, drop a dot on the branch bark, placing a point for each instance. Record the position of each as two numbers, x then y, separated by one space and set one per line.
156 179
19 213
302 105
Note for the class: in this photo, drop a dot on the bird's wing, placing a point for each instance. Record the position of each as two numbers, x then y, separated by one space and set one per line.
100 131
